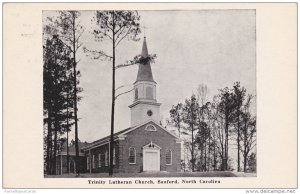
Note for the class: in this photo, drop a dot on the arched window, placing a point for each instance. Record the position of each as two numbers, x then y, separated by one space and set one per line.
150 128
136 94
149 93
132 155
168 157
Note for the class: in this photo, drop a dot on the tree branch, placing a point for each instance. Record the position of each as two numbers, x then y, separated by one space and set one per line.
124 65
123 36
119 87
99 53
123 93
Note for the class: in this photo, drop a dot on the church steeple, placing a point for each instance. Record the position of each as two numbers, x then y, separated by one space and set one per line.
144 72
144 48
144 105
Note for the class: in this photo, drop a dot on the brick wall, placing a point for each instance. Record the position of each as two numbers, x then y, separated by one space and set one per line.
137 139
102 149
141 137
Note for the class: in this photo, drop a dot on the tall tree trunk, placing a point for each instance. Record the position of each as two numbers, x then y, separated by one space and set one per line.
201 156
193 160
226 143
238 144
209 155
245 147
68 134
205 156
51 153
49 123
77 161
56 127
223 157
68 157
215 157
245 162
75 120
113 102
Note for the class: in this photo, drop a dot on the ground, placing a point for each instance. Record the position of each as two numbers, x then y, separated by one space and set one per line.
161 174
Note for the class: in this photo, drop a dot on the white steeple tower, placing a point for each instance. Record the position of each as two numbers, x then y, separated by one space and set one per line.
145 106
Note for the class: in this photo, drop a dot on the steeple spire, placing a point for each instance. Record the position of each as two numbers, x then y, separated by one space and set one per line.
144 48
144 105
145 72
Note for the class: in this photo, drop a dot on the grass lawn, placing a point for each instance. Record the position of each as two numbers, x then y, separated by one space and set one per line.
159 174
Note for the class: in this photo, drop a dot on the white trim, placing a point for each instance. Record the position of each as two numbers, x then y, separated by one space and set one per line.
147 145
145 101
170 158
178 141
134 155
122 137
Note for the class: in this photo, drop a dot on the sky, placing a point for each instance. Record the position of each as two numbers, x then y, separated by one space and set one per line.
211 47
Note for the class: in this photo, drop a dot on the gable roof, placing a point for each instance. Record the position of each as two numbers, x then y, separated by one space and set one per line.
119 134
151 120
104 139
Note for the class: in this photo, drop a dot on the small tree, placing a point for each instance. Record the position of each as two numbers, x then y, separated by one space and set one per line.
226 108
252 162
190 119
248 130
239 97
176 117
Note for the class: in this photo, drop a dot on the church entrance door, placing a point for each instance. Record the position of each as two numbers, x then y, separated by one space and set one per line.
151 158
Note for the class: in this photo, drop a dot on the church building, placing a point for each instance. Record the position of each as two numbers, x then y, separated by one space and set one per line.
145 145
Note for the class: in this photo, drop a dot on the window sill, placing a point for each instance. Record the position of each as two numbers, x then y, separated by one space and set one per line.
168 164
132 163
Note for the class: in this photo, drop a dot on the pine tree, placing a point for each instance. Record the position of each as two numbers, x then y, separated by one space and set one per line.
71 31
57 65
114 26
190 119
239 97
226 108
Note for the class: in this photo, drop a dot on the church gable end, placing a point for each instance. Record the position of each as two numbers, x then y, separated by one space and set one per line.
163 143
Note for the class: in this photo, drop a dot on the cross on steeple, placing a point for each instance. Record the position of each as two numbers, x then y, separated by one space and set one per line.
144 30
